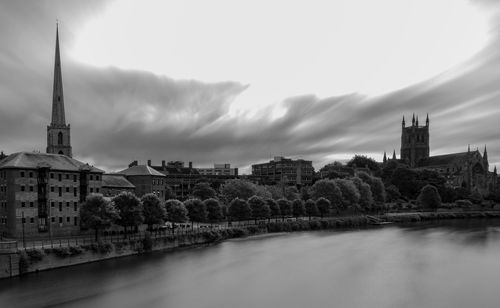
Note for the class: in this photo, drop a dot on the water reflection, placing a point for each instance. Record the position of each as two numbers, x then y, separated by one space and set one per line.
453 264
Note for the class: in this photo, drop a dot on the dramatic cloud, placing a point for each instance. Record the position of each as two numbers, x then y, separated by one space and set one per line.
118 115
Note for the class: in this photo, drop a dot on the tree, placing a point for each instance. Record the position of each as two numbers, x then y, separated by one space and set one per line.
239 209
326 189
376 185
169 193
237 189
323 206
285 207
274 207
261 191
362 161
203 191
350 193
406 180
197 211
260 209
214 210
298 208
429 197
392 193
365 193
291 193
275 191
153 210
311 208
130 208
176 211
97 213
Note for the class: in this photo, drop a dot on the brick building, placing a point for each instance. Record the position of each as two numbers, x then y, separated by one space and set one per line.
292 172
145 179
114 184
42 194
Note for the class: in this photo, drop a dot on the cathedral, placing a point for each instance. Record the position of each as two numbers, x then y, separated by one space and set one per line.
469 169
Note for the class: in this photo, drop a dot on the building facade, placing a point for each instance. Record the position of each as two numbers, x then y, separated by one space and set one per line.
284 170
41 194
219 169
179 178
145 179
58 132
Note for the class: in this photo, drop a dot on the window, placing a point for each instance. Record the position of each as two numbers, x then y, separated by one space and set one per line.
91 190
23 188
32 220
60 206
67 204
75 205
23 204
60 220
67 189
59 177
67 176
60 138
31 204
52 175
97 190
53 219
22 174
75 191
60 191
97 178
75 221
31 174
23 220
51 188
52 204
74 178
67 219
31 188
91 177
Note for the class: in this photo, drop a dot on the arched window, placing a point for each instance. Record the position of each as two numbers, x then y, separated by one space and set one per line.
60 138
61 152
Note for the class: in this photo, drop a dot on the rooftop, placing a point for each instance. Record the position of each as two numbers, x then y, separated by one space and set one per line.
29 160
140 170
116 181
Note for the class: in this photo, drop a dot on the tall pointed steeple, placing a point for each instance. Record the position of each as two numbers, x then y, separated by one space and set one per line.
385 157
413 120
403 123
485 155
427 120
394 155
58 117
58 132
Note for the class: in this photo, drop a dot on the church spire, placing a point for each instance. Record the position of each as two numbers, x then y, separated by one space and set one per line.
58 132
58 117
385 157
413 120
394 155
427 120
416 123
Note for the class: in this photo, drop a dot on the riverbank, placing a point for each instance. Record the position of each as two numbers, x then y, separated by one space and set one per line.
34 260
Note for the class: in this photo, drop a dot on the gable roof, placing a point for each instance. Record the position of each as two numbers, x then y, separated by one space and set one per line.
168 170
140 170
116 181
447 159
29 160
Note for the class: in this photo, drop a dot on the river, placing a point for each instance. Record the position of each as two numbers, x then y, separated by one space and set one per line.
455 264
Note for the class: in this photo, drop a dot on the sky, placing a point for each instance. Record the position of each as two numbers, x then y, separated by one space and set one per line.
227 81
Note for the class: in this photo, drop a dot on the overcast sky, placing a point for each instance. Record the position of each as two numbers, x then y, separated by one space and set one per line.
226 81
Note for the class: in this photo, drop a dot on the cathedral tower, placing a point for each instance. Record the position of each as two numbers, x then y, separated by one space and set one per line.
414 142
58 132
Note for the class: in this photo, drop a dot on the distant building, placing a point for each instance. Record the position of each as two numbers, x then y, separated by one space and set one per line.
219 169
114 184
179 178
469 169
41 193
291 172
145 179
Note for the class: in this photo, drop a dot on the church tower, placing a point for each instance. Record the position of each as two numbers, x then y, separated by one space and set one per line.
414 142
58 132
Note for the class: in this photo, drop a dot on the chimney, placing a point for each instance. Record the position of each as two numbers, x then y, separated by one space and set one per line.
132 164
149 162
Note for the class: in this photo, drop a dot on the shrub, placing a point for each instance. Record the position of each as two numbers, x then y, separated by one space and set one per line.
75 250
61 252
252 229
35 255
429 197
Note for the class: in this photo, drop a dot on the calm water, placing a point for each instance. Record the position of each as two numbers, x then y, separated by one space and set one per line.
456 265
